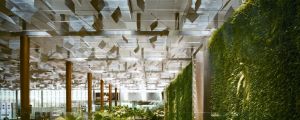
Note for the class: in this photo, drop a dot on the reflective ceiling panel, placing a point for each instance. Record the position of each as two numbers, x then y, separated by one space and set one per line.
133 44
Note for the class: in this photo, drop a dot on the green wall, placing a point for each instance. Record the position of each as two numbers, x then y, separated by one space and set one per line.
179 96
255 62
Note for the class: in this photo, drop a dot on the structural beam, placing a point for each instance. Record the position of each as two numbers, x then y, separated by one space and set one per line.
200 33
109 96
69 86
89 76
85 33
102 95
25 77
116 97
116 59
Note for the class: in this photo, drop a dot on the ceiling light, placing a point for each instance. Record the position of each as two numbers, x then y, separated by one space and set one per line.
173 71
155 59
38 34
108 79
139 79
129 59
77 59
153 78
134 71
98 71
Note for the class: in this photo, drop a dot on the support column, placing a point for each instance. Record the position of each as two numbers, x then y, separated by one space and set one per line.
69 86
138 21
116 97
89 76
24 77
42 100
17 103
102 95
109 96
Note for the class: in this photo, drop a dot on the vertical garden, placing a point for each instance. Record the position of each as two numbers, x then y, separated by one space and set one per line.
255 62
179 96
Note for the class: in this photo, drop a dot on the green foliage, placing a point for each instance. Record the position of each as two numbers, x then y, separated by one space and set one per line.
179 96
255 61
73 116
126 113
103 116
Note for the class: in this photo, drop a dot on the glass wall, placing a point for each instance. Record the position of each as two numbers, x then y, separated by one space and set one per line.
47 100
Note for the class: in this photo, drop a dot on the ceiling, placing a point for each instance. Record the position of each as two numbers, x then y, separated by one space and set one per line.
135 44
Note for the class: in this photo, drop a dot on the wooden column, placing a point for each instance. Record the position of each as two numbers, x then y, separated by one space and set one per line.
42 100
138 21
102 95
24 77
109 96
69 86
116 97
90 78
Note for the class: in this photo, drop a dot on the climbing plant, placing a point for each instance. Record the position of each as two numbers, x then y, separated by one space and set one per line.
255 62
179 97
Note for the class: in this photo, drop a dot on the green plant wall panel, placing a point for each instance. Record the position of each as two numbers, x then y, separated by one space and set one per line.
255 63
179 96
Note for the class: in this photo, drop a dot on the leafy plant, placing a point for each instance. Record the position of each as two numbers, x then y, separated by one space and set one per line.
125 113
255 62
73 116
179 96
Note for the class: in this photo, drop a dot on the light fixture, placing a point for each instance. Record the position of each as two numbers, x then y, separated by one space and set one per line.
153 78
129 59
155 59
76 59
98 71
173 71
134 71
38 34
108 78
